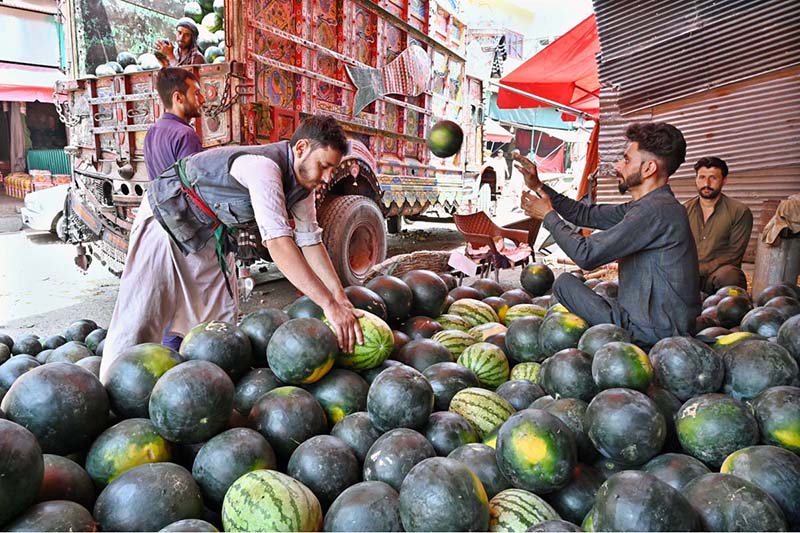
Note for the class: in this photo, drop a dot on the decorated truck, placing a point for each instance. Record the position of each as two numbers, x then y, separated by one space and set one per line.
387 70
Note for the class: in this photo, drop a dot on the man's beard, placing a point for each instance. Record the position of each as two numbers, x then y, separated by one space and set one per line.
708 193
629 182
302 172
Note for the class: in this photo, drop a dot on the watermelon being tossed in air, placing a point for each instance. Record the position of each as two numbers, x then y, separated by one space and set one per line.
445 138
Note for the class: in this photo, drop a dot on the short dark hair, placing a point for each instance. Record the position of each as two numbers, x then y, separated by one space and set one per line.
323 132
712 162
171 79
663 140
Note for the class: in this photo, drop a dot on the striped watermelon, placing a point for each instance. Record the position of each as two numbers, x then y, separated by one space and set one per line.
517 510
484 409
521 310
448 321
529 371
267 500
475 312
487 362
484 331
378 344
454 340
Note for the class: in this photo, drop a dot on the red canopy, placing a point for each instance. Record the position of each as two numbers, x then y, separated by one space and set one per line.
27 83
565 72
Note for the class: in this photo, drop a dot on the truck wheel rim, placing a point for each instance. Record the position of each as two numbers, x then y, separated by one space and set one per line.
361 250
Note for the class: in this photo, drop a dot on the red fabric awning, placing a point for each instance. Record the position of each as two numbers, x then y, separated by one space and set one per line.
27 83
565 72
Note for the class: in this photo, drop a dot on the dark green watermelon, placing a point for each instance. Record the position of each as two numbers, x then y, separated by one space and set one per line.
729 503
191 402
365 507
65 479
537 279
516 296
568 374
541 403
449 280
14 368
446 379
220 343
130 378
608 467
625 425
789 337
396 296
92 364
572 412
78 330
94 339
70 352
560 331
638 501
522 340
429 293
520 393
5 353
711 301
786 304
764 321
441 494
59 515
536 451
777 410
7 340
303 307
621 364
138 501
447 431
259 326
67 425
368 300
21 469
420 327
54 341
302 350
422 353
733 290
481 459
228 456
499 305
400 397
252 386
394 454
287 417
357 431
752 366
732 309
686 367
340 393
487 287
599 335
713 331
575 499
668 405
467 292
712 426
190 524
774 470
372 373
445 138
27 344
675 469
770 292
326 465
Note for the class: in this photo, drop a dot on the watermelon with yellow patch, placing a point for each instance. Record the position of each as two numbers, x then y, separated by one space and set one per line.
487 362
777 410
340 393
130 443
536 451
302 350
560 331
484 331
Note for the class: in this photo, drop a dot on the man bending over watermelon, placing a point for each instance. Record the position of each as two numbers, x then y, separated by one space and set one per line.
180 265
650 237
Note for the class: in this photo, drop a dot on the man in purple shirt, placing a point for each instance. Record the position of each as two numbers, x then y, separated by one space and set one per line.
172 137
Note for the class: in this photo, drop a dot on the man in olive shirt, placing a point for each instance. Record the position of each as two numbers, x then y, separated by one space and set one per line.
659 289
720 225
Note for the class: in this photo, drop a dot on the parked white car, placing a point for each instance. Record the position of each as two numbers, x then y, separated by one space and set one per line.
44 210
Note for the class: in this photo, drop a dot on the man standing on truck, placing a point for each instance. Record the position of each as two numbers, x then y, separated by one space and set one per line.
172 137
180 266
650 237
721 227
186 34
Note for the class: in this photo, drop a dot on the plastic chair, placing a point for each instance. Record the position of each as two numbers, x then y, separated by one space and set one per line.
486 243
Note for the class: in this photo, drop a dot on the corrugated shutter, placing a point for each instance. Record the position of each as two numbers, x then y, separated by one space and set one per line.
753 126
657 51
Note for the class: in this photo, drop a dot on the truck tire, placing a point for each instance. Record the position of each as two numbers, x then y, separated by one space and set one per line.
354 233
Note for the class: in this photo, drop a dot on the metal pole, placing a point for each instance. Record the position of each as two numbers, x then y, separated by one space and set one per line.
559 106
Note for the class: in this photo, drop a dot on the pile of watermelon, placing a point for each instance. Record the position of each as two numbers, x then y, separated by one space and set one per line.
210 18
467 408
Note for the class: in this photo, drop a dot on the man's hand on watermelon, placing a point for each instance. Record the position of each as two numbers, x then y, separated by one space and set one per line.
344 319
529 171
